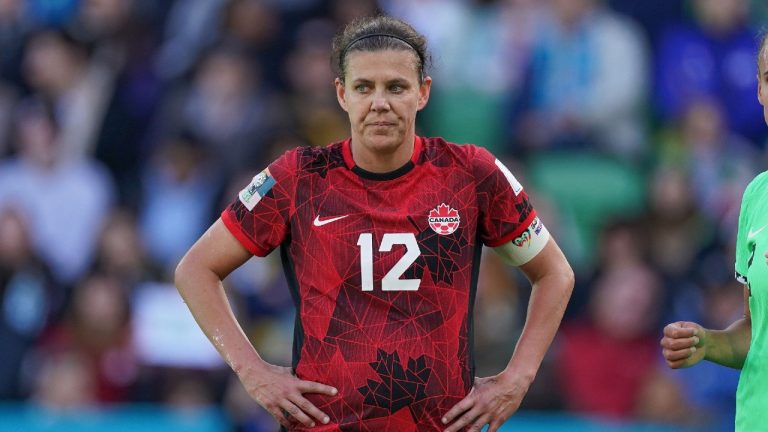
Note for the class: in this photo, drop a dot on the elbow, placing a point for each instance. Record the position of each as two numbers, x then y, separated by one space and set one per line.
181 273
570 278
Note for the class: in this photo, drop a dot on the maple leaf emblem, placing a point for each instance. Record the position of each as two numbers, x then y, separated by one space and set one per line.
443 210
399 387
443 219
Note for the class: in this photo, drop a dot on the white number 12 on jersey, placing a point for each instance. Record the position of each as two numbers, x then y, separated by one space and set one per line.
391 281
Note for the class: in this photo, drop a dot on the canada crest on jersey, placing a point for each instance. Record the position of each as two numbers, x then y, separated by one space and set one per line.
443 219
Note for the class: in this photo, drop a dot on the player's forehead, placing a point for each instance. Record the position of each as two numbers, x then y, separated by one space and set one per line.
382 65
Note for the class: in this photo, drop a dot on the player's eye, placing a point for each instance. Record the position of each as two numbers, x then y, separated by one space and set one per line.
396 88
362 88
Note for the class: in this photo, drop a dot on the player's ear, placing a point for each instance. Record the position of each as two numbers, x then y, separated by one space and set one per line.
424 88
340 93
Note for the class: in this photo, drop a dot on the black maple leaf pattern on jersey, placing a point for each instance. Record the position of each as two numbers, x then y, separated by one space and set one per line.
399 386
319 161
438 254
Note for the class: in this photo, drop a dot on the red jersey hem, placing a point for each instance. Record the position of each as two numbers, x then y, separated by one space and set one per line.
236 231
524 226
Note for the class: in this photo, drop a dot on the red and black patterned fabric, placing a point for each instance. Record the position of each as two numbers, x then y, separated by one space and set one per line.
383 269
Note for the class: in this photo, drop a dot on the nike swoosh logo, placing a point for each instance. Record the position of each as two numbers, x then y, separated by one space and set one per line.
754 233
319 222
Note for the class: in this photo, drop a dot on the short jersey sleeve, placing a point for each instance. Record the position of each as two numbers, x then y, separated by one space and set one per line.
745 247
505 211
259 217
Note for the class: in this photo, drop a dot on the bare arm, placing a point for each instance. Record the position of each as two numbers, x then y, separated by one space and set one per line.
494 399
686 343
552 283
199 278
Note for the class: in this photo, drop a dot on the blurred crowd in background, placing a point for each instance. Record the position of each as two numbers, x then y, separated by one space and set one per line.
126 126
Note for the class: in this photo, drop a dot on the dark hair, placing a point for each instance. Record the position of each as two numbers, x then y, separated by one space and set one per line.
376 34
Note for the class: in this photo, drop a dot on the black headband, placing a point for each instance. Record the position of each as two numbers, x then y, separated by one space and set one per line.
356 40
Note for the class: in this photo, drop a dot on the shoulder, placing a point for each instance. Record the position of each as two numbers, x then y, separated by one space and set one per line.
307 160
757 187
473 159
440 152
319 160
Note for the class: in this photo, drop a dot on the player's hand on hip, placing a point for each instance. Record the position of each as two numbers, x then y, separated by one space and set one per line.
491 402
281 393
683 344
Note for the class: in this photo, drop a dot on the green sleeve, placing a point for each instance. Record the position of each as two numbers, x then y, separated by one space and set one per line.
743 249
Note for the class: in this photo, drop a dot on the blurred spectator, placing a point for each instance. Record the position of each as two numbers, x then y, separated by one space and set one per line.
673 224
187 390
758 12
28 297
711 56
344 11
312 99
180 189
605 360
51 13
8 100
226 107
586 82
65 383
258 28
14 26
435 19
191 27
662 401
97 330
620 244
120 251
480 59
59 68
63 200
653 15
121 41
719 164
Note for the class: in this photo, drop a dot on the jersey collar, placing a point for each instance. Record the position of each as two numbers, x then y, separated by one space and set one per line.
350 162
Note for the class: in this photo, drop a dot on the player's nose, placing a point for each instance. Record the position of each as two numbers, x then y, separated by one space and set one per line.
379 102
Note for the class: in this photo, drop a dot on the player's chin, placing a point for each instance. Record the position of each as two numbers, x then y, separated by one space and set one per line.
384 139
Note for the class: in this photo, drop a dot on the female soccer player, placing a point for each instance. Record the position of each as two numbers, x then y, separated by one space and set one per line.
743 345
381 237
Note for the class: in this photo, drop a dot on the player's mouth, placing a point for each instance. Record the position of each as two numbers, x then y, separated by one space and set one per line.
381 124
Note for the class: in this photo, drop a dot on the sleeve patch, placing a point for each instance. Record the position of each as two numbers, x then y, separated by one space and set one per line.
516 186
256 189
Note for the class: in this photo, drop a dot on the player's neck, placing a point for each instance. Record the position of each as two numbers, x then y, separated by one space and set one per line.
371 159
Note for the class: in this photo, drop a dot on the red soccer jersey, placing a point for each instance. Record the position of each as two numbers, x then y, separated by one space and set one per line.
383 270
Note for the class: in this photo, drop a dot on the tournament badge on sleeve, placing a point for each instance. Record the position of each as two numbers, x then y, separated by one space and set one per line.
259 186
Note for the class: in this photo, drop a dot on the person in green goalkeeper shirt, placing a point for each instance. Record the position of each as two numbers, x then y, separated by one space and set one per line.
743 345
